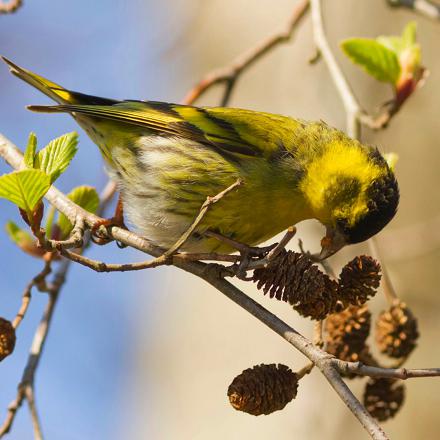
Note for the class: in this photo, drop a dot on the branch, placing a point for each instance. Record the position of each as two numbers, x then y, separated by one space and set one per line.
100 266
203 211
355 115
392 373
75 240
26 385
351 105
30 397
212 273
40 282
387 285
230 74
424 7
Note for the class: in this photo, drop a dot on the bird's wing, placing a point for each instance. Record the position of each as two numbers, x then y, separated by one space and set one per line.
242 133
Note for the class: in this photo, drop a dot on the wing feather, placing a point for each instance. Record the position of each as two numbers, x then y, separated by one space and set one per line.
242 133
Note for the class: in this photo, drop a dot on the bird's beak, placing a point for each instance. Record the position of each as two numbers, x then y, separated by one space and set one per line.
331 243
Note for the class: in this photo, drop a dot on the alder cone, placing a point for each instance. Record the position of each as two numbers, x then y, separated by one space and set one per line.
384 397
293 278
7 338
347 332
397 331
359 280
263 389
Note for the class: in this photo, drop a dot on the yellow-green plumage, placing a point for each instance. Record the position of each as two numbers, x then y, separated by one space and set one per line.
168 158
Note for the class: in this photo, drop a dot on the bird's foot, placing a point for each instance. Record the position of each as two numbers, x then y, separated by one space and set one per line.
99 229
247 253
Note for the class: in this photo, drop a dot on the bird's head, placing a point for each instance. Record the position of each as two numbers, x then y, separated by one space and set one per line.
355 194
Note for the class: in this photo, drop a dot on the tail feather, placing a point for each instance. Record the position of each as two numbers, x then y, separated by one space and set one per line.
53 90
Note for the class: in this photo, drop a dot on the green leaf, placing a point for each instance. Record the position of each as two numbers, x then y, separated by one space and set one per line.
23 240
399 44
29 154
18 235
391 42
49 222
409 35
25 188
84 196
375 58
55 157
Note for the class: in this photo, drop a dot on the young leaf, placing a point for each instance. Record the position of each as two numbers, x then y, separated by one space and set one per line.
375 58
29 154
409 36
391 159
399 43
49 222
16 234
84 196
25 188
391 42
55 157
23 240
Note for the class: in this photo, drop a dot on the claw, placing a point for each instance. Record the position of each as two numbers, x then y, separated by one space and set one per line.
99 236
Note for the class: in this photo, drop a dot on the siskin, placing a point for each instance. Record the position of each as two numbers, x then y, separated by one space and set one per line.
167 158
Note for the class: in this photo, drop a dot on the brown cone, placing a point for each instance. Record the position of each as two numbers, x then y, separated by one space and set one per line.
7 338
359 280
263 389
383 397
292 277
346 333
346 336
396 331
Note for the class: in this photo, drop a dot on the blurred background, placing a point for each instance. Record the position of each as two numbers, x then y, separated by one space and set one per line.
149 355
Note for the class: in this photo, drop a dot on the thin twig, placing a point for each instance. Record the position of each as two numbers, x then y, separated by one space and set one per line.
75 240
394 373
211 273
351 105
40 337
355 115
307 369
386 283
230 74
424 7
234 244
7 7
290 233
39 281
30 397
100 266
382 120
203 211
367 421
25 389
320 358
165 258
318 340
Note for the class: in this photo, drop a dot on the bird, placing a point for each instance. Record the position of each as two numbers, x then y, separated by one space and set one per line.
168 158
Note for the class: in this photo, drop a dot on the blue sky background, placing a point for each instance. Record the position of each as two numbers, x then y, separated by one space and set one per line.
117 49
